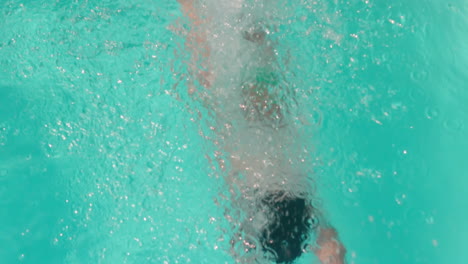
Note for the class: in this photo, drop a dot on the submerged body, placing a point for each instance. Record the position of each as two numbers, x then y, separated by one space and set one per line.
234 59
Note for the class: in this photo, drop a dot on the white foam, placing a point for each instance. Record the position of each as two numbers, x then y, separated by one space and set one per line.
259 152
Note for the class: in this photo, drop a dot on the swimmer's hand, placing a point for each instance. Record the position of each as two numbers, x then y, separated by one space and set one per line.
330 250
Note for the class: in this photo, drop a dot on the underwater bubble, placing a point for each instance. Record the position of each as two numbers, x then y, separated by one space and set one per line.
430 220
312 222
454 125
432 112
419 75
316 117
350 187
246 248
400 198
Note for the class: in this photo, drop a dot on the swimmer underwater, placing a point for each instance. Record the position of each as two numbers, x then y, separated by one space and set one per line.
235 61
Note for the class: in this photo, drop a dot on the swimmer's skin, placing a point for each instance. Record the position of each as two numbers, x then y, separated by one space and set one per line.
195 41
329 249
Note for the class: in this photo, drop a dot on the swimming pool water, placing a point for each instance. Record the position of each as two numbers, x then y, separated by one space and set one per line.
101 160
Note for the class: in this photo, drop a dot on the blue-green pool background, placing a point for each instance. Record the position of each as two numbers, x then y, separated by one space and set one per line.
101 160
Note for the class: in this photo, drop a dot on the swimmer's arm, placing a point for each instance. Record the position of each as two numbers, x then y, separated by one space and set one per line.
197 42
189 11
195 35
329 248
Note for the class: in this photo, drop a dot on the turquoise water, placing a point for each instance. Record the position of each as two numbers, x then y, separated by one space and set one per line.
101 159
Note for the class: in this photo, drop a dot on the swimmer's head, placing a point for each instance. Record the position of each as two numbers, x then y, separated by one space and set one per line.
289 227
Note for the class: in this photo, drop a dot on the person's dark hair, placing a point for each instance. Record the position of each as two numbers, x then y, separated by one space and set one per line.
289 227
